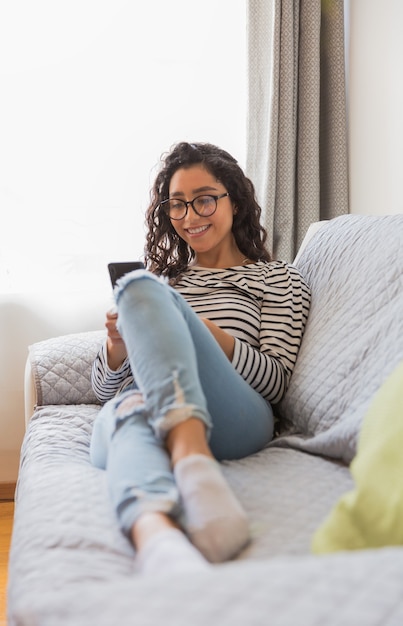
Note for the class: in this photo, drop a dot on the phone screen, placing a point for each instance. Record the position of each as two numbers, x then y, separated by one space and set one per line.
117 270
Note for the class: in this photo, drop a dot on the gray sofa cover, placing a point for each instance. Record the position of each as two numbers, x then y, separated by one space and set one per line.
70 564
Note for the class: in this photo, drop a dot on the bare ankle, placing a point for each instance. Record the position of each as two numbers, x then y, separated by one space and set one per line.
187 438
148 525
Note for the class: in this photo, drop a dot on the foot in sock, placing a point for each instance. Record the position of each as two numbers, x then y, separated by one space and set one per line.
170 551
214 519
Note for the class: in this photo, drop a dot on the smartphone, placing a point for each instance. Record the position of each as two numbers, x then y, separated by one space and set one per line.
117 270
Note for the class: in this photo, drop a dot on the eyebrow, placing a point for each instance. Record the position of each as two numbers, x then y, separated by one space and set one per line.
198 190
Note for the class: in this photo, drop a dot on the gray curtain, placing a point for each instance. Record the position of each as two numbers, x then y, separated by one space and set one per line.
297 129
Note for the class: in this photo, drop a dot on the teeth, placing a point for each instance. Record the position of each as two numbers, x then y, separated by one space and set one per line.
195 231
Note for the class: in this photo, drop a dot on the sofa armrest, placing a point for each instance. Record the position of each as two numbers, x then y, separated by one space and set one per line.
58 370
29 392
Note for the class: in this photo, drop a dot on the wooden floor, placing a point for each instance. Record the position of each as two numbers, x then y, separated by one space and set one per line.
6 524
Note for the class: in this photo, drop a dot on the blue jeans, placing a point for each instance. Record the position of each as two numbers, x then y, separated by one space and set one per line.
180 372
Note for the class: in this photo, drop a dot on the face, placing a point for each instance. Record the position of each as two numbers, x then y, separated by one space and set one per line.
204 235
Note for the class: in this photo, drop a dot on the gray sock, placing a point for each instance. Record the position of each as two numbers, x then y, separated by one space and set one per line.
214 519
170 551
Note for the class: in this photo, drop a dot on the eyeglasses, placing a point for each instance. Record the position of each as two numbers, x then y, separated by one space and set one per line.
204 206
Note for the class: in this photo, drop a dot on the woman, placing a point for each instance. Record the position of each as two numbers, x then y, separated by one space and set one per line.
204 342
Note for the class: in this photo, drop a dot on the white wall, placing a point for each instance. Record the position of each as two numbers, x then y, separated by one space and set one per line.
25 319
376 106
91 93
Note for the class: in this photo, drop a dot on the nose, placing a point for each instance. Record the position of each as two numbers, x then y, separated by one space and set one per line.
191 213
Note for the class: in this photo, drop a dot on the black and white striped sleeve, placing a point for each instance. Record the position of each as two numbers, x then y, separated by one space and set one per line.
284 313
105 382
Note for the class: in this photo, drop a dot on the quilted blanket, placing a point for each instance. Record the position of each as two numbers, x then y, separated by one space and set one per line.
75 567
354 336
70 564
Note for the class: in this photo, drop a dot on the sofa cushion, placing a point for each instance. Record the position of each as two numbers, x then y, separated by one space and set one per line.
370 516
354 335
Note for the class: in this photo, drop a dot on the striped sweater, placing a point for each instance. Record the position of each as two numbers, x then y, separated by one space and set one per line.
263 305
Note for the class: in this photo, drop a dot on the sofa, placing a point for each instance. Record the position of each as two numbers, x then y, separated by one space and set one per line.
70 564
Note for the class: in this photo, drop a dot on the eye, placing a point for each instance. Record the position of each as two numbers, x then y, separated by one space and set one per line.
204 203
176 205
206 200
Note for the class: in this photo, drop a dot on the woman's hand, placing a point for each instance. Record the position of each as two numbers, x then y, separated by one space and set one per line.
226 341
115 346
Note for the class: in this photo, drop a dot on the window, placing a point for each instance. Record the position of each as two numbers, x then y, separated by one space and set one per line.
93 91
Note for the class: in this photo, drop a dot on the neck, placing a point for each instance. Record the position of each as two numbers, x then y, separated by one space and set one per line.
221 261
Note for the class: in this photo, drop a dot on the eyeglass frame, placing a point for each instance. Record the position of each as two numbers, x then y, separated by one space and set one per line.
191 202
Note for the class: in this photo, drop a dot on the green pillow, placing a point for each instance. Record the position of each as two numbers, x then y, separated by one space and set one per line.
371 515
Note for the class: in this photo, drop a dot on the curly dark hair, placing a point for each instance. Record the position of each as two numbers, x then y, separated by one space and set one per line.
167 254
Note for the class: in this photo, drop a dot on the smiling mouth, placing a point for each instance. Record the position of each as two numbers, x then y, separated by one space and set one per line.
198 230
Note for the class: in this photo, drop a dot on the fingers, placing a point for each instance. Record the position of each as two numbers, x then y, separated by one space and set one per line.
110 324
116 349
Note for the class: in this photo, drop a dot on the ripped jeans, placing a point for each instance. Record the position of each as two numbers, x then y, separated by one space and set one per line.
180 372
